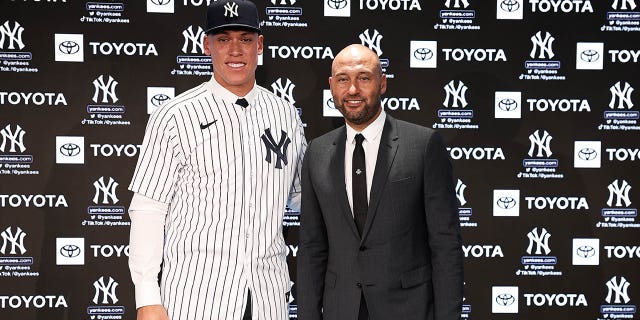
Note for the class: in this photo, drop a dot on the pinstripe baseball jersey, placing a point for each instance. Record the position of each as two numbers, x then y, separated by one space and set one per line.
227 173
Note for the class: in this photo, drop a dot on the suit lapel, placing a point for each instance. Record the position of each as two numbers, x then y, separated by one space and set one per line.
337 173
386 155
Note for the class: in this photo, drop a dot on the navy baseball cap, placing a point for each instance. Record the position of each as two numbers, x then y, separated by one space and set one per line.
229 14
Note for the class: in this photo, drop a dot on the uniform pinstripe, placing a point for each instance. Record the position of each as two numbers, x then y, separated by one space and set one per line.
223 232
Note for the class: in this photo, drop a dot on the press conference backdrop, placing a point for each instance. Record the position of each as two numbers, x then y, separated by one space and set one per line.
536 100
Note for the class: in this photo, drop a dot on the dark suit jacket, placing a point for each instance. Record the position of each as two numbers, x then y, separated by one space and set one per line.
408 262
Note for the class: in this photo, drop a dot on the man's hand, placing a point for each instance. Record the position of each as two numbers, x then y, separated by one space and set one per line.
152 312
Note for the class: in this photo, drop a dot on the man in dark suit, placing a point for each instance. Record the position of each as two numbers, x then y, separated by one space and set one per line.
380 236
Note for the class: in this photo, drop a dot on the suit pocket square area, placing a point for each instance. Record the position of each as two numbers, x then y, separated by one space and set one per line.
402 179
415 277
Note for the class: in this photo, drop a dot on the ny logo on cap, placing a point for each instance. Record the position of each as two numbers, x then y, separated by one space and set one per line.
231 10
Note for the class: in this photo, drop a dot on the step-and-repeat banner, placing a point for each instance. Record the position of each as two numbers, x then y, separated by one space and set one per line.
536 100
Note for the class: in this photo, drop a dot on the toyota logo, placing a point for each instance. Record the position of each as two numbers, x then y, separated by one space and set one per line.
507 104
70 149
330 103
587 154
586 251
423 54
337 4
161 2
159 99
510 5
68 47
589 55
505 299
70 251
506 202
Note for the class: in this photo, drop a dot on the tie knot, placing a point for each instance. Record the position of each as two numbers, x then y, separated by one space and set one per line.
242 102
359 139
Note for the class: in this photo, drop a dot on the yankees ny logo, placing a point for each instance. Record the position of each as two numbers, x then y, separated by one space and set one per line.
460 187
372 40
623 94
280 149
455 94
108 290
231 10
542 44
13 36
465 3
193 38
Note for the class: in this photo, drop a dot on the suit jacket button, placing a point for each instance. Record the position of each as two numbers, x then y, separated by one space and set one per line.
359 285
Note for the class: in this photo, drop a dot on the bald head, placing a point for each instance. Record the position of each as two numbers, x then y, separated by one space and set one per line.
356 84
357 54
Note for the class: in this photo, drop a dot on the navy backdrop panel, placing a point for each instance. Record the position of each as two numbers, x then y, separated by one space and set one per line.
536 100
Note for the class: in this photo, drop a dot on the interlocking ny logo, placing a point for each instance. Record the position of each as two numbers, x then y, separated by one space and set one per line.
620 192
543 45
620 289
108 89
108 291
16 240
284 91
280 149
542 143
372 41
15 138
108 191
540 239
624 3
195 39
230 9
14 35
456 94
623 95
460 187
456 3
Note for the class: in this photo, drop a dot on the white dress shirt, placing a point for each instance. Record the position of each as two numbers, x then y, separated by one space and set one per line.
371 144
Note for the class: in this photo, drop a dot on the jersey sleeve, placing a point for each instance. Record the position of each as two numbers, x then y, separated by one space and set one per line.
160 158
296 186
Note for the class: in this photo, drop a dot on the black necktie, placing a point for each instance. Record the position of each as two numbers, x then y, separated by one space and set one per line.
242 102
359 184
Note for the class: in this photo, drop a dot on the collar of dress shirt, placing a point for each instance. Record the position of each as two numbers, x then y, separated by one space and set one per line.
371 133
223 93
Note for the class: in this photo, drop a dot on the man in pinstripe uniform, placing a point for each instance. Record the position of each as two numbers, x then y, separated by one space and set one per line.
218 165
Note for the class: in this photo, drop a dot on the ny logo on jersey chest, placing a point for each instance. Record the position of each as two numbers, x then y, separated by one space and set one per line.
280 148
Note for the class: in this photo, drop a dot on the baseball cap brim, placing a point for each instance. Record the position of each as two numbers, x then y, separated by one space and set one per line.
232 26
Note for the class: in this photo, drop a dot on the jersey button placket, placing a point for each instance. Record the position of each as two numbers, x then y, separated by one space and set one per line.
247 180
